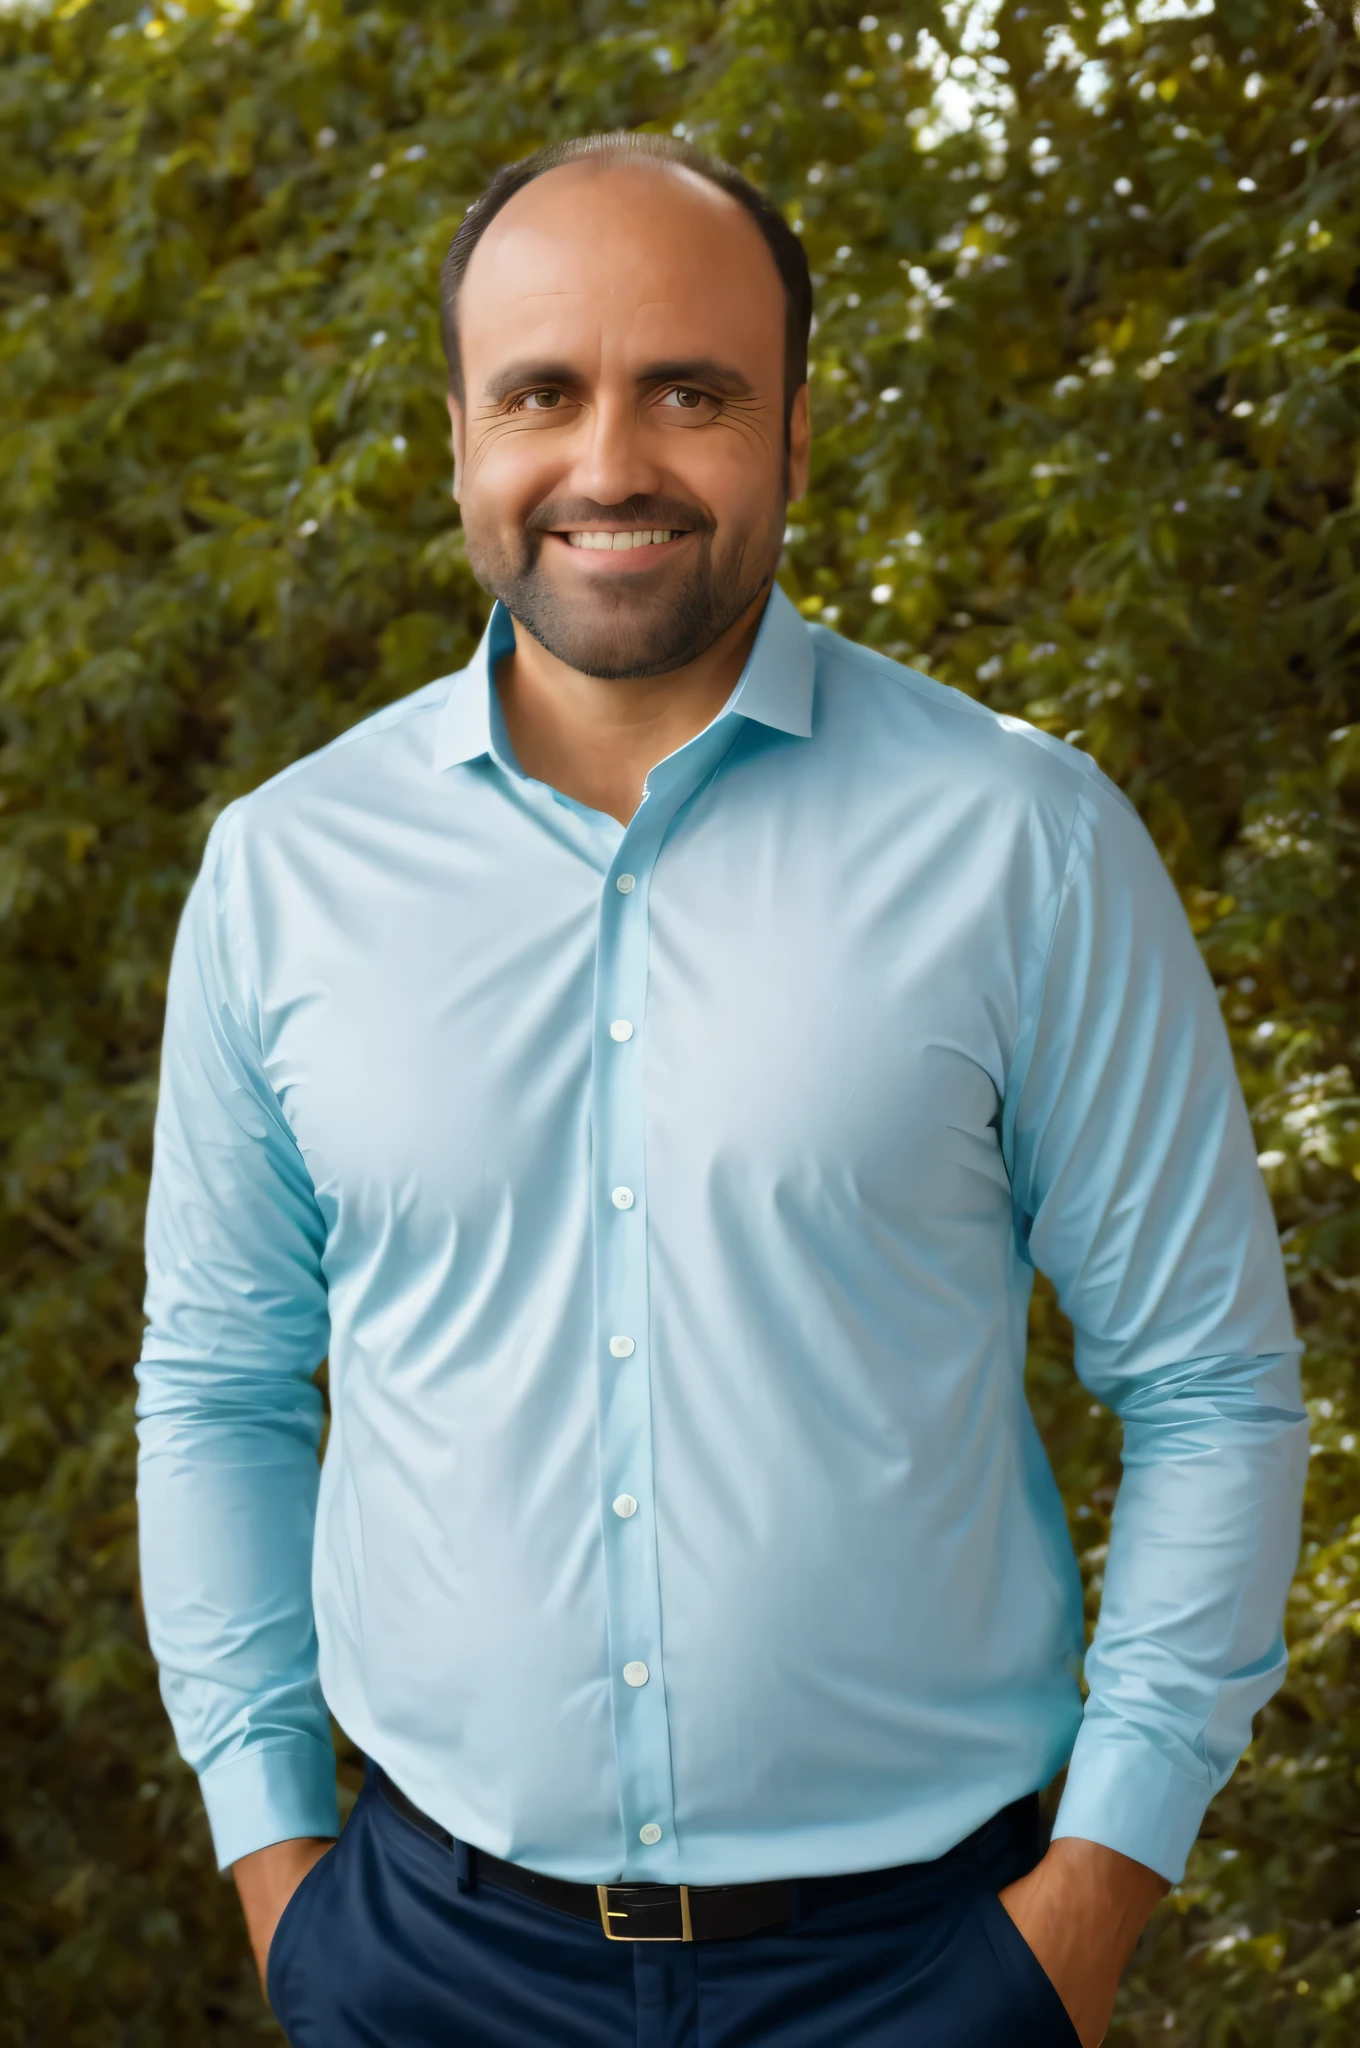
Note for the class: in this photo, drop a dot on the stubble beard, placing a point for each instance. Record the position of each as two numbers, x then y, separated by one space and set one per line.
617 632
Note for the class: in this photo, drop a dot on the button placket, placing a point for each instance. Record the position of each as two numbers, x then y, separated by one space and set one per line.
619 1222
641 1727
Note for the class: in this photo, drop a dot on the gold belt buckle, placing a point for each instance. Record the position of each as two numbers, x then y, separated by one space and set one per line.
608 1913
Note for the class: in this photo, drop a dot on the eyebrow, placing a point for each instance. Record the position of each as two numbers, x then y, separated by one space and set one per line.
699 370
526 376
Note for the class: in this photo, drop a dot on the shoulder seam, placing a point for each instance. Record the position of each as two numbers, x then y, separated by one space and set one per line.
1081 766
382 720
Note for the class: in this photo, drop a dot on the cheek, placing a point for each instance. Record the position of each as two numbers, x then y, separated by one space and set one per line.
735 475
506 474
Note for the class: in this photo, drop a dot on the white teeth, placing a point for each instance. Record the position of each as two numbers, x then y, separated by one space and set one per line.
620 540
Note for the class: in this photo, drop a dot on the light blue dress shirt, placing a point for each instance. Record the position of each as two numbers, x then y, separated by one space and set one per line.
667 1200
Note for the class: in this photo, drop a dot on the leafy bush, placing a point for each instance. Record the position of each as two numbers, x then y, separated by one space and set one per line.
1086 393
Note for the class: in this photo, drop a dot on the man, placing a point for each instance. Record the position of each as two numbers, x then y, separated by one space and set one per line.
651 1062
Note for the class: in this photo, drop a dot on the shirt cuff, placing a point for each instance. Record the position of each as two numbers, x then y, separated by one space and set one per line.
1126 1793
261 1796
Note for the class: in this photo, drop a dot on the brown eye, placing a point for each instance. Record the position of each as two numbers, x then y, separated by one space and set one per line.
542 401
687 399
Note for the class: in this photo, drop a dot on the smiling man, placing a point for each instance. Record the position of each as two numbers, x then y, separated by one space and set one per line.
651 1064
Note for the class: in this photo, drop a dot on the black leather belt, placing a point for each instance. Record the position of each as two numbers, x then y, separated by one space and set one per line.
683 1912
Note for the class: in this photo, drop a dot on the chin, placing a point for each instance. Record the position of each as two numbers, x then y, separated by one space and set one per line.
617 634
619 658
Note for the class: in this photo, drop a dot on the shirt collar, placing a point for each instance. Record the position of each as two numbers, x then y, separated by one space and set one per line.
774 688
464 729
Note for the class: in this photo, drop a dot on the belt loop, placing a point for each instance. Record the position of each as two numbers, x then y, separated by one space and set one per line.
465 1866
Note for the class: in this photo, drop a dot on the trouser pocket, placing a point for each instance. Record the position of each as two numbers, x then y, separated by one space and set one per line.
288 1944
1039 2003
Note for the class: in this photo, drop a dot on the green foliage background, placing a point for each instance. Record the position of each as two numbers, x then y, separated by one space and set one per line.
1086 393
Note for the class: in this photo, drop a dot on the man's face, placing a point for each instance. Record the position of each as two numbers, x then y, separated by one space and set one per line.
620 454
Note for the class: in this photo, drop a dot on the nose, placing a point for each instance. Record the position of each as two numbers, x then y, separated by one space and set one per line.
614 462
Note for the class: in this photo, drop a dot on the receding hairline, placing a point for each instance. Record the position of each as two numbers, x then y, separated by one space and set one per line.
599 163
627 150
600 166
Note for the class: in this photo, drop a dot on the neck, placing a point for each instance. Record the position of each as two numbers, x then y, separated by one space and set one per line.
597 741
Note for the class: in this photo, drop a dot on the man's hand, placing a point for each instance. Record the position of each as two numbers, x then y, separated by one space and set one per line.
267 1880
1081 1910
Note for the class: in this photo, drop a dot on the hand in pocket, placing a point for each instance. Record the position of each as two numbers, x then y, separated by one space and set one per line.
1079 1914
267 1880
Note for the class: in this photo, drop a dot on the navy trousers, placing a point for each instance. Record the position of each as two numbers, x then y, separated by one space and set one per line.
380 1948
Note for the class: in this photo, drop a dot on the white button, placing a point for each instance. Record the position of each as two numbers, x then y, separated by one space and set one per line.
622 1347
622 1198
625 884
620 1030
624 1507
636 1674
650 1834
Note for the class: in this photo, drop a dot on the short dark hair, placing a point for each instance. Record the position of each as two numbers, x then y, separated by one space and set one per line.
621 147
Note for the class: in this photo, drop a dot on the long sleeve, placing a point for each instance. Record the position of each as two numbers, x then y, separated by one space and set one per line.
228 1418
1135 1181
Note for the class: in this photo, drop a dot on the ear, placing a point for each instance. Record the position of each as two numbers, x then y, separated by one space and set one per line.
458 425
800 444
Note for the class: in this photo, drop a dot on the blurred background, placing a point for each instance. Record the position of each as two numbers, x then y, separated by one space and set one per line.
1086 386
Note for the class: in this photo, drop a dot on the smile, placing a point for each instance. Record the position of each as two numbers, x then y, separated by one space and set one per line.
648 538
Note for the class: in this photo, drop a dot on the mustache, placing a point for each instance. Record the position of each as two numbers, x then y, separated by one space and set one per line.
645 510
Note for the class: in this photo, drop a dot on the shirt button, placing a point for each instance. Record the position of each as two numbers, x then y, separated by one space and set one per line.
622 1347
650 1834
620 1030
635 1674
622 1198
625 884
624 1507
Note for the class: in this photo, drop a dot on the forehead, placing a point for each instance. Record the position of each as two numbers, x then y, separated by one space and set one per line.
617 258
